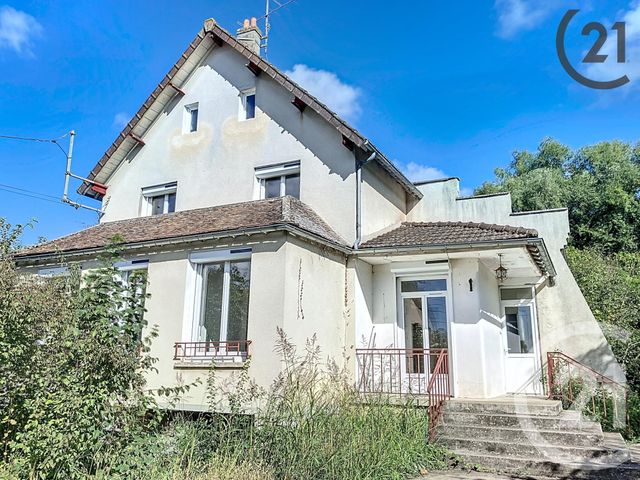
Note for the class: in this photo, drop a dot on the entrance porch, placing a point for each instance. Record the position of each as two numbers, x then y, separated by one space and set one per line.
443 323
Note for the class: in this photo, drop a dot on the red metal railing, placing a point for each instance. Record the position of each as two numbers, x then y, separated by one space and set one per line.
207 351
399 371
438 391
582 388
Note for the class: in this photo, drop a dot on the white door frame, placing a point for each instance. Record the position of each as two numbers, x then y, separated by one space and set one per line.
525 302
400 296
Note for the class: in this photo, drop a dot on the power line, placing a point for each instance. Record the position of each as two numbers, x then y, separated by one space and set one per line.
29 193
39 140
33 139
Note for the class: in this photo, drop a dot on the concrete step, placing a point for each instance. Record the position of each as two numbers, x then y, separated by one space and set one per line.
506 405
519 435
545 450
566 420
537 467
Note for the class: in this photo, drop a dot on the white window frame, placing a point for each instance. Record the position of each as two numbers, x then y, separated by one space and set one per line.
274 171
125 268
199 260
242 106
523 302
186 124
149 193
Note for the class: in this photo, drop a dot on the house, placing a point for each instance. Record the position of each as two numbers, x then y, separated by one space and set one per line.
253 206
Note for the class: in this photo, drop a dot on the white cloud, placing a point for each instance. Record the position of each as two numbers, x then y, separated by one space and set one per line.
121 119
18 30
611 69
417 172
337 95
515 16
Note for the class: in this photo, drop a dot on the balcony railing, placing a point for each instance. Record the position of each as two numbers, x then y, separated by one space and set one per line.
399 371
204 352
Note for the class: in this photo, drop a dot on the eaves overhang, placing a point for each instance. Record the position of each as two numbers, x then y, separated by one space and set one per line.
132 247
535 247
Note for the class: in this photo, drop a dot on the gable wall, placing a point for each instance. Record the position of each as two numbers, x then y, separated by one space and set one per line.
215 165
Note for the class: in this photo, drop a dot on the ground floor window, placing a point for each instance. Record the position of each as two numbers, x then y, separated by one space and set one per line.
224 310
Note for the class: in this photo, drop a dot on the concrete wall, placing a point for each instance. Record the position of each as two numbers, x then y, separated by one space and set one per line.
315 298
171 286
295 286
565 320
384 202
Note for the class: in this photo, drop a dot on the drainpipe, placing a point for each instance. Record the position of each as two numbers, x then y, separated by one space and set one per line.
359 165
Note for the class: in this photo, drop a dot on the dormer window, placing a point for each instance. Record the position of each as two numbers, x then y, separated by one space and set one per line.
159 199
191 118
279 180
247 104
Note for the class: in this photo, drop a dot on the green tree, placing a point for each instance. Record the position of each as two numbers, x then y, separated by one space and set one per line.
599 185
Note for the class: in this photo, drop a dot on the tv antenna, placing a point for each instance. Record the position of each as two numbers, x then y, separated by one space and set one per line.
267 23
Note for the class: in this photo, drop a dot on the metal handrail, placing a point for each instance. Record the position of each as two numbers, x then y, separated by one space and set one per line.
438 391
563 389
395 371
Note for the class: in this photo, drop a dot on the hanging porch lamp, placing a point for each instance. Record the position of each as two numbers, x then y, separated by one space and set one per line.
501 272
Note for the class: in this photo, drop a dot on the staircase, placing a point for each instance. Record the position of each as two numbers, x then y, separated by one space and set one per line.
533 436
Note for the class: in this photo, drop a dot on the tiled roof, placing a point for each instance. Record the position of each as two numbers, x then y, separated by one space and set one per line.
214 34
446 233
276 212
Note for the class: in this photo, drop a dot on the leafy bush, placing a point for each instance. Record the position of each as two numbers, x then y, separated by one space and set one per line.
72 366
598 184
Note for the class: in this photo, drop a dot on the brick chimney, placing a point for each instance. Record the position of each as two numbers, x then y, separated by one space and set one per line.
250 35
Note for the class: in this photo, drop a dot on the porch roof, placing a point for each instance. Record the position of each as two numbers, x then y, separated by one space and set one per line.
438 233
433 237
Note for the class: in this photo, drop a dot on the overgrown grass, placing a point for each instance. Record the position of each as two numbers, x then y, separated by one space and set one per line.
311 424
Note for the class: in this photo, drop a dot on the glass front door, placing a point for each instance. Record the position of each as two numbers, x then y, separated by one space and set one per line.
424 322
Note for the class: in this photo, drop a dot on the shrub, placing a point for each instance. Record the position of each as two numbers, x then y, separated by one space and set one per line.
72 366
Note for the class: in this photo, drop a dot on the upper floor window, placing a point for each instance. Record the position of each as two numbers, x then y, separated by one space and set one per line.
191 118
247 104
279 180
159 199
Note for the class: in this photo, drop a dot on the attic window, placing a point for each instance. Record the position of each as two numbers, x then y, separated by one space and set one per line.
191 118
279 180
247 104
159 199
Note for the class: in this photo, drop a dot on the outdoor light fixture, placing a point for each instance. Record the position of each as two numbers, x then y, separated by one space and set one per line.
501 272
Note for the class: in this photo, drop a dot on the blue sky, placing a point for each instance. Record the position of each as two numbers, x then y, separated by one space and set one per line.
443 88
